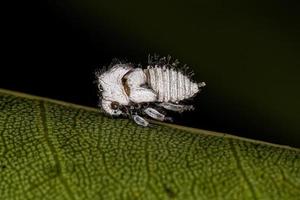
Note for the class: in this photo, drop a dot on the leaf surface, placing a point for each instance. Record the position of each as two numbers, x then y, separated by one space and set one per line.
56 150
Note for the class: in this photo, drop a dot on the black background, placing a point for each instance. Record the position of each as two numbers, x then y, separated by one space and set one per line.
52 48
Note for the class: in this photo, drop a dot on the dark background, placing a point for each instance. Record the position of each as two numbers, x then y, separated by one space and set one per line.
247 53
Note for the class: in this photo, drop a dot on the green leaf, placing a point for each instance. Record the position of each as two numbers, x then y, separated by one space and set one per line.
56 150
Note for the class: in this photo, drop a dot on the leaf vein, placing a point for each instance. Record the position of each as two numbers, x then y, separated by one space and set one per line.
53 151
241 169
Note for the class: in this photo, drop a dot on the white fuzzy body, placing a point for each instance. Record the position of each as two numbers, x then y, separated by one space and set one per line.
111 82
169 84
123 86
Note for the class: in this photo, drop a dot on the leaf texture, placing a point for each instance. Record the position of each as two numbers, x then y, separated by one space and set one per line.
56 150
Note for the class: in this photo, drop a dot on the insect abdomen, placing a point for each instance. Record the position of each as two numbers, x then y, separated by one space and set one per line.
169 84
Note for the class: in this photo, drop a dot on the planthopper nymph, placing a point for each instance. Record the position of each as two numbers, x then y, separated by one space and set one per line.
137 92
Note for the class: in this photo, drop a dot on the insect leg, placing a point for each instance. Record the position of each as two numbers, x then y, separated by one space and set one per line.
156 115
176 107
139 120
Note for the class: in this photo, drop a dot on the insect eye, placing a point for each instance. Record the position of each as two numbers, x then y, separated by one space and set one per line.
114 105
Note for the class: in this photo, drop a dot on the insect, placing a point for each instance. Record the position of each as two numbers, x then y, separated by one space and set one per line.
136 92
